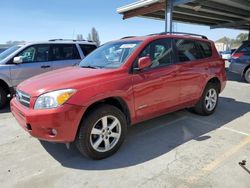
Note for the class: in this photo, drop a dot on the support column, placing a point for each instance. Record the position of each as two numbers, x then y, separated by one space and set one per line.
169 16
249 32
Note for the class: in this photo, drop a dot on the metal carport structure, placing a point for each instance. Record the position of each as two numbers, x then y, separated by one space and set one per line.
233 14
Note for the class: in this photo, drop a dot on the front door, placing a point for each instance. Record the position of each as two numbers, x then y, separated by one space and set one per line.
156 89
35 61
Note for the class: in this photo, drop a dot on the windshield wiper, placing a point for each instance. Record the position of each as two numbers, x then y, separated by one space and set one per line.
90 67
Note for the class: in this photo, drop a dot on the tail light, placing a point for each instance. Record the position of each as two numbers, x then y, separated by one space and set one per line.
237 55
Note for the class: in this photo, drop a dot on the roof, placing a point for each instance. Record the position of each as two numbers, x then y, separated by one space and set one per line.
233 14
62 41
163 35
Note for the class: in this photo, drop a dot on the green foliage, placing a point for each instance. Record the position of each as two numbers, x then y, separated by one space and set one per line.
234 43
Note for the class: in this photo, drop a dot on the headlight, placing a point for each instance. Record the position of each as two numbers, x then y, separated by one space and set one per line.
53 99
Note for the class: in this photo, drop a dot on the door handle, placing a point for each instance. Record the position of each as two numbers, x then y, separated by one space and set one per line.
45 66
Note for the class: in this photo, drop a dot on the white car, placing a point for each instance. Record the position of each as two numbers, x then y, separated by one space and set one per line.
21 62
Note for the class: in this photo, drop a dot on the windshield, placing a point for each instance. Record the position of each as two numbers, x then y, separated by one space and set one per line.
8 52
111 55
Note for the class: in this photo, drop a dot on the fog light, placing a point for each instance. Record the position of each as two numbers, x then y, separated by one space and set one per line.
54 132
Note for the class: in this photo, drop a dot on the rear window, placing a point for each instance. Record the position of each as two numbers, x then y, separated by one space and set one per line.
244 48
87 49
64 52
206 49
191 50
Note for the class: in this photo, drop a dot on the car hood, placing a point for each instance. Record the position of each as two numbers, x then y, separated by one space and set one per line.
66 78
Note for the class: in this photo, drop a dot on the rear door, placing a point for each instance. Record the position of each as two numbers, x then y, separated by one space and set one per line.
64 55
35 61
156 89
87 48
194 68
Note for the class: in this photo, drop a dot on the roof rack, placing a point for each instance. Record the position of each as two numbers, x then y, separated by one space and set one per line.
128 37
74 40
181 33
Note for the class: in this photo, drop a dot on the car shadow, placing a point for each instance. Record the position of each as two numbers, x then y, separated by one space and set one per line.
153 138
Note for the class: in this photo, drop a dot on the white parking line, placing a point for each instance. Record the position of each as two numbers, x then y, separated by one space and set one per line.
225 128
233 130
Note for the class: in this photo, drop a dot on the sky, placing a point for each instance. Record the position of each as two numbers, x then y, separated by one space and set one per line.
32 20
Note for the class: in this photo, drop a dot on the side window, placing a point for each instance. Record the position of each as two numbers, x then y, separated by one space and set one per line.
39 53
160 52
64 52
28 55
205 48
87 49
187 50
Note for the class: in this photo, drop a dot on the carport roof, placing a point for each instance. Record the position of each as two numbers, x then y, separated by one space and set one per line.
234 14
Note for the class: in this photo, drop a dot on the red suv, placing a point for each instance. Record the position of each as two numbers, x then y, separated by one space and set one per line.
120 84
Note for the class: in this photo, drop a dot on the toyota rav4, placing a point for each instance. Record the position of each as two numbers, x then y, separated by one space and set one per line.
120 84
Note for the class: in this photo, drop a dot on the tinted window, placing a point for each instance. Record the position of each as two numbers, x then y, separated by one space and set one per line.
160 52
64 52
205 49
187 50
39 53
244 48
87 49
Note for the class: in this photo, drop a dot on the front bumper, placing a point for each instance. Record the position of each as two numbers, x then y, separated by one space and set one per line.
39 123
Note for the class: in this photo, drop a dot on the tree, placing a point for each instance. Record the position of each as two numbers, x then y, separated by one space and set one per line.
233 43
79 37
12 43
94 36
242 37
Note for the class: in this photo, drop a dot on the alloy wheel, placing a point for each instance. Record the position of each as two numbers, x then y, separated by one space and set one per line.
211 99
105 133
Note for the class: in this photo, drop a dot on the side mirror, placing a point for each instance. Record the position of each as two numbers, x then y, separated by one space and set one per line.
18 60
144 62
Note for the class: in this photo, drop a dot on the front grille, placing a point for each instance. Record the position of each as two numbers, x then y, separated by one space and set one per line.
23 98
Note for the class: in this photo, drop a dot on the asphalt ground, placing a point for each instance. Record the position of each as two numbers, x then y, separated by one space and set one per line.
180 149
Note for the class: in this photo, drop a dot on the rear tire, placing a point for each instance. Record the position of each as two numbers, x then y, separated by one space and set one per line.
247 75
208 101
3 98
102 132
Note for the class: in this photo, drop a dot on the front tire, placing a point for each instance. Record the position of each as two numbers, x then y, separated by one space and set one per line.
208 101
102 132
3 98
247 75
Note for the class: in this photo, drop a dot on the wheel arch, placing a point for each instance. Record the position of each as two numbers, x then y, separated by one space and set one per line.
245 70
5 86
115 101
216 81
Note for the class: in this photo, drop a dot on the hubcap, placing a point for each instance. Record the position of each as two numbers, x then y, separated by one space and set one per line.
211 99
105 133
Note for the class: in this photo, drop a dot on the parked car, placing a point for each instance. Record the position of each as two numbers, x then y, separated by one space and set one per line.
21 62
226 55
120 84
240 61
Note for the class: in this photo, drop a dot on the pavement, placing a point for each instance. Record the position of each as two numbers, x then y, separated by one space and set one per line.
180 150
